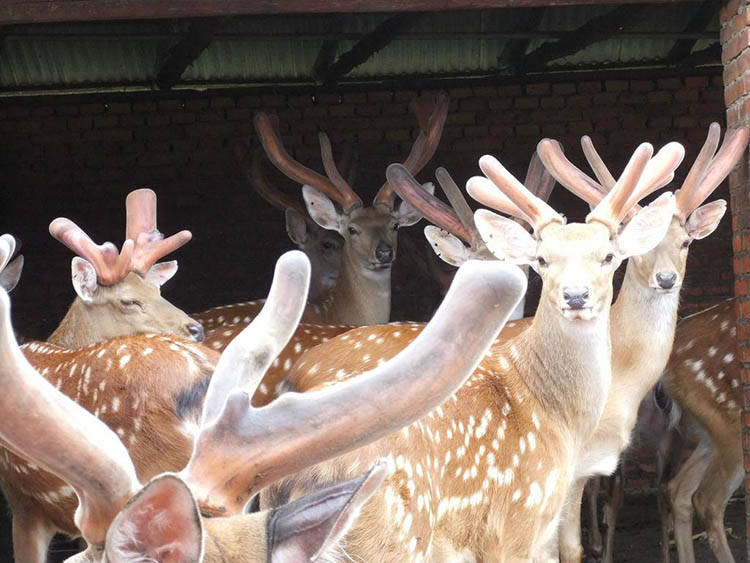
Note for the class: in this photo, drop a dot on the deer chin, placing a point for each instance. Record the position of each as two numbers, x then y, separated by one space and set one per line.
582 314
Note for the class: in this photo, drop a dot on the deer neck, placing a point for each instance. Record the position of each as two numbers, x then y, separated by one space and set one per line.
643 326
77 328
567 366
361 296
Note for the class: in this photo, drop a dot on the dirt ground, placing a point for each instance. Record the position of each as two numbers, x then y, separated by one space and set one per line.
637 537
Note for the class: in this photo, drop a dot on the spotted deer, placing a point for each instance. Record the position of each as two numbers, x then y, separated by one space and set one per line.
10 268
645 313
118 294
321 246
238 449
703 378
502 451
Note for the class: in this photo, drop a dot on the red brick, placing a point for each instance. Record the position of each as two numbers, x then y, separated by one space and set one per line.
118 107
222 103
526 103
512 91
539 89
668 83
379 96
641 85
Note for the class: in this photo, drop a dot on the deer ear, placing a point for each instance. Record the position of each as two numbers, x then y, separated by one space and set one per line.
11 274
161 273
408 215
506 239
296 227
161 523
311 527
448 247
84 279
647 229
321 209
704 220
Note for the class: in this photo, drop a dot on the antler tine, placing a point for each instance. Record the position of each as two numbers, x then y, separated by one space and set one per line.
150 244
459 204
568 174
533 210
253 169
427 204
602 173
277 154
487 193
734 145
538 181
49 429
110 267
7 248
431 130
298 430
244 362
658 172
699 168
348 197
612 208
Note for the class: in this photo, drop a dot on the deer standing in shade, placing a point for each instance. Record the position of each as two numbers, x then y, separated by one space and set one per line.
118 293
502 451
238 449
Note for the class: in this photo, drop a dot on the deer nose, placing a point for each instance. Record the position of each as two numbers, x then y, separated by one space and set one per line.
384 253
666 280
196 331
576 297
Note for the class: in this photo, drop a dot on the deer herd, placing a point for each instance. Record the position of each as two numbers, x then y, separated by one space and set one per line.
304 427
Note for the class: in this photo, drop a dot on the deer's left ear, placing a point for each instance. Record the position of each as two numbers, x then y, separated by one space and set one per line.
161 273
160 523
11 274
647 229
406 215
704 220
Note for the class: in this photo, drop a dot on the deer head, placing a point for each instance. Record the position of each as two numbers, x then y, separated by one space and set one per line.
122 520
663 268
322 247
10 270
576 261
119 293
369 232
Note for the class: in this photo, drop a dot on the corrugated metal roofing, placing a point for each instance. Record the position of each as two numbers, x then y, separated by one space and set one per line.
283 49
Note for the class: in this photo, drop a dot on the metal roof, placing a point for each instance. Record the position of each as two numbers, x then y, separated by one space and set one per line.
257 50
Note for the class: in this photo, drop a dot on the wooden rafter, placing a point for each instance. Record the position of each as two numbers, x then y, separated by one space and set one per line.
179 57
370 44
593 31
701 18
37 11
513 53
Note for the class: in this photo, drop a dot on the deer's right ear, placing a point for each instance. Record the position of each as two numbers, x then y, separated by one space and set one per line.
321 209
448 247
11 274
83 275
312 526
161 273
296 227
647 229
505 238
160 523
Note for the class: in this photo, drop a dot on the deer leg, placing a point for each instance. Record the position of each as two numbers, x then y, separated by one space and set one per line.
570 525
616 494
669 454
592 497
722 477
32 534
681 490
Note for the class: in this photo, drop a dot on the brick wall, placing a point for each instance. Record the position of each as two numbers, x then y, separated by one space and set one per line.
79 157
735 39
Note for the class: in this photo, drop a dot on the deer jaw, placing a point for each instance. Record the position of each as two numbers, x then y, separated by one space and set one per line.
131 306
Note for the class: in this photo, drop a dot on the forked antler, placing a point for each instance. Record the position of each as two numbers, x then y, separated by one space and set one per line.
430 112
269 137
150 244
244 449
44 426
709 169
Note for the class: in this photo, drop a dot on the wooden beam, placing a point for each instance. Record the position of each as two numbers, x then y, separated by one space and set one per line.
179 57
593 31
515 50
701 18
370 44
38 11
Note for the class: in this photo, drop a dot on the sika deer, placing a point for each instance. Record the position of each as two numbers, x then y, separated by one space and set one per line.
503 449
703 378
644 316
118 294
238 449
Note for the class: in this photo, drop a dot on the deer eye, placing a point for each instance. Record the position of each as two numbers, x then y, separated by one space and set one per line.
542 262
608 258
685 243
395 226
353 231
327 245
131 303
